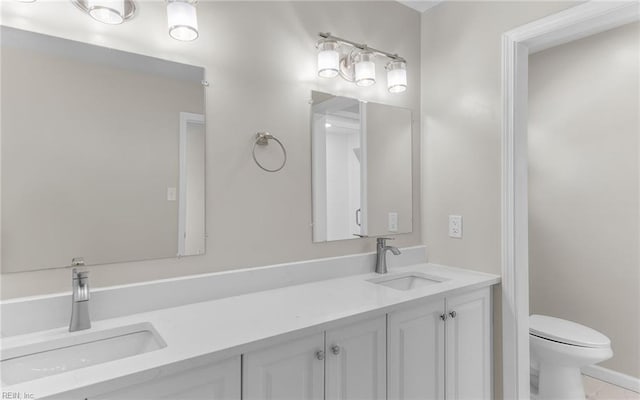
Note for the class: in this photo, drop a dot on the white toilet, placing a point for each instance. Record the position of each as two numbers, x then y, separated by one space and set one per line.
559 348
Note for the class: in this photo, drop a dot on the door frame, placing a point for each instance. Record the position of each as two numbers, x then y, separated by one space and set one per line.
574 23
185 119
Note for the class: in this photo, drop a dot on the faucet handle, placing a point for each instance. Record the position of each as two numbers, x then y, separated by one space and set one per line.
76 274
383 240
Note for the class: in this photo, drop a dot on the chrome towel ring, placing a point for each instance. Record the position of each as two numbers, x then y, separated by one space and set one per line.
262 139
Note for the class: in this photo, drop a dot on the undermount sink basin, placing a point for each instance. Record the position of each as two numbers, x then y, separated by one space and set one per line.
407 281
77 350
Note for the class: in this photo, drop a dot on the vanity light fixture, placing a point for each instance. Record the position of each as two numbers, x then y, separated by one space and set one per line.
182 19
328 58
357 63
396 76
365 69
112 12
107 11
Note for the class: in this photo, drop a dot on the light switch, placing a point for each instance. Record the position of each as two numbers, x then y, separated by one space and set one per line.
393 222
455 226
171 194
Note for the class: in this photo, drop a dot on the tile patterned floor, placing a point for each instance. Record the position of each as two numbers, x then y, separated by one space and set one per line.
599 390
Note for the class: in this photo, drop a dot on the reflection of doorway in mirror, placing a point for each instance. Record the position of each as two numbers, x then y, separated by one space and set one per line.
337 169
191 208
343 182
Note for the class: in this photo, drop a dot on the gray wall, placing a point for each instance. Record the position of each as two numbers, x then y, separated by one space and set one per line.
583 187
260 59
388 166
461 132
461 113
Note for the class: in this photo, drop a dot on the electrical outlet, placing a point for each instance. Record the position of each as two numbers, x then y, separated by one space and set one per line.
171 194
455 226
393 222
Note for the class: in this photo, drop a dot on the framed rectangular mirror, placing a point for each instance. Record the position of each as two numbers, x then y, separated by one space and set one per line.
103 154
361 168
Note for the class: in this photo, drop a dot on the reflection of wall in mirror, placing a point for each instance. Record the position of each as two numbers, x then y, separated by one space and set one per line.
388 168
79 185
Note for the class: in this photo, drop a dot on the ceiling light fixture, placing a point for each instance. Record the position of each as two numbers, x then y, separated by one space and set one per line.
110 12
357 63
182 19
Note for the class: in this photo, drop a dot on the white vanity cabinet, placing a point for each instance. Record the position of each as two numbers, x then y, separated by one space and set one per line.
442 349
294 370
203 381
217 381
433 348
343 363
356 361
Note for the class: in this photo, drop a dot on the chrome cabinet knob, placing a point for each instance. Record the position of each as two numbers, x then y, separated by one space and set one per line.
320 355
453 314
335 349
443 316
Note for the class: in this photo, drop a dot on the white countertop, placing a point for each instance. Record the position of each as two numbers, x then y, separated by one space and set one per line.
233 325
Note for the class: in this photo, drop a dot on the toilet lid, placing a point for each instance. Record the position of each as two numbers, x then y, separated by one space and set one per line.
563 331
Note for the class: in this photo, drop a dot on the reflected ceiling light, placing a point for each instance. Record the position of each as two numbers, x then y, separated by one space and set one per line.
357 63
396 76
182 19
327 125
110 12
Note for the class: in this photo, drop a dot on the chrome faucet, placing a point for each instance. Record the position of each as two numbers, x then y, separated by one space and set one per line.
79 301
381 254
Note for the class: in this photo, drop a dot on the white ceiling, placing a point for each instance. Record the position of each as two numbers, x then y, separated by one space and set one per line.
421 5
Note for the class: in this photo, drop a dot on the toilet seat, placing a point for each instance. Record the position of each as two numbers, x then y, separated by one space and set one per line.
566 332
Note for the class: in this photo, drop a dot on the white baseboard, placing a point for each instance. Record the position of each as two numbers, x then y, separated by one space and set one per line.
615 378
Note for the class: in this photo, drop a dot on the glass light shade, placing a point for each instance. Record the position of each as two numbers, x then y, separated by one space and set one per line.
106 11
182 20
328 59
397 76
365 69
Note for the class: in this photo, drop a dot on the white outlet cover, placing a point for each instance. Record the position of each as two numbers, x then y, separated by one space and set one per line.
455 226
393 222
171 194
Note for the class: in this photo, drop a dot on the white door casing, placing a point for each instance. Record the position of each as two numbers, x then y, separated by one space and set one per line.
186 240
571 24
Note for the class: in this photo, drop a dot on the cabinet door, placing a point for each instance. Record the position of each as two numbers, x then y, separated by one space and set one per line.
469 359
290 371
356 361
415 347
219 381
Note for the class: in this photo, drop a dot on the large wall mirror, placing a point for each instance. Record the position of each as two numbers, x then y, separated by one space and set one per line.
361 168
102 154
